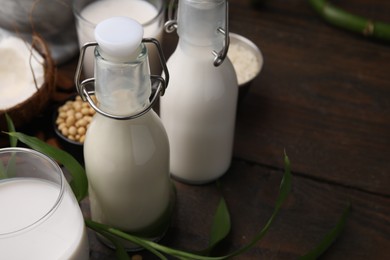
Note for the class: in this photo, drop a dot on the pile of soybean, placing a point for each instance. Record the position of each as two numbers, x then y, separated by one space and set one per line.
74 118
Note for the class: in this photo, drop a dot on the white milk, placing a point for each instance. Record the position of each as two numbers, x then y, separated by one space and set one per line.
198 111
60 235
127 163
140 10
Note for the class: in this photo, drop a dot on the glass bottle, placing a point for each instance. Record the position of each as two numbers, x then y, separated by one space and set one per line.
199 107
126 149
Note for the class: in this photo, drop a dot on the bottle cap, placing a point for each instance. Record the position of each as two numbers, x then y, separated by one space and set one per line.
119 37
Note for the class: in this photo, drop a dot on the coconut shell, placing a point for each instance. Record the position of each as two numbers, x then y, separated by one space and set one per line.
24 112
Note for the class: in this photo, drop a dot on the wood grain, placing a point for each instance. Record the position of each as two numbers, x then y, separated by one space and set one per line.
323 96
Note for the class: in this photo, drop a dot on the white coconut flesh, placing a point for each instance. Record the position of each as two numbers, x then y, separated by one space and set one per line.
21 71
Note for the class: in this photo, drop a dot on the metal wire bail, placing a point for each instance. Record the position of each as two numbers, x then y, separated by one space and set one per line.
159 84
171 24
220 56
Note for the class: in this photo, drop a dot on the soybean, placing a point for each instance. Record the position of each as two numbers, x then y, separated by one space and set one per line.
74 117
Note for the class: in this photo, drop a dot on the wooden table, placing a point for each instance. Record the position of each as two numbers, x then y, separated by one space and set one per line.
323 96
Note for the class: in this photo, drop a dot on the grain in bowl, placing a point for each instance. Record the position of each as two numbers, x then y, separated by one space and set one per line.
247 61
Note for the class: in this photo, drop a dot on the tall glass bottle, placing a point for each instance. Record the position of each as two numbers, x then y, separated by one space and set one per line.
199 107
126 148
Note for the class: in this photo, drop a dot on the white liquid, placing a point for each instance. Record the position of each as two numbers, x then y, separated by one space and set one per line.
127 163
61 235
198 111
139 10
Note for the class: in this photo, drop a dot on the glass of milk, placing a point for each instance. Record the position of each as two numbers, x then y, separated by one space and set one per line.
40 217
149 13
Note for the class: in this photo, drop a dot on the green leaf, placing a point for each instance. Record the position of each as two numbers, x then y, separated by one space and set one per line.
120 251
221 225
350 21
10 170
11 167
108 232
79 182
284 190
151 246
329 238
156 248
3 172
11 128
285 185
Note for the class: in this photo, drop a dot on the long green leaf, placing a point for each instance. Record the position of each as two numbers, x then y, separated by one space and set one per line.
221 224
10 170
3 172
79 182
147 244
120 251
284 190
109 232
11 128
329 238
349 21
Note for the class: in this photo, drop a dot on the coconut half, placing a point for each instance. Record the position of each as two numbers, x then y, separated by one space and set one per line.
26 79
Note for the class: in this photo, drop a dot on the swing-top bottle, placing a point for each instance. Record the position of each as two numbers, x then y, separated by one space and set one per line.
126 149
199 107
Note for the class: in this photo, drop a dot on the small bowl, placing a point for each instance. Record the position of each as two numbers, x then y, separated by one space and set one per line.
243 52
74 147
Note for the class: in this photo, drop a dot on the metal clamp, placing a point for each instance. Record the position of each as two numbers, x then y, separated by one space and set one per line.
159 84
220 56
171 24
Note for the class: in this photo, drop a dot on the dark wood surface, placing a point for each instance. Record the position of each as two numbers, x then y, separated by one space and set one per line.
323 96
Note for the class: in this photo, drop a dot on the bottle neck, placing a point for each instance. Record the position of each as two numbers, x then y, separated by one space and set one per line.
198 22
122 87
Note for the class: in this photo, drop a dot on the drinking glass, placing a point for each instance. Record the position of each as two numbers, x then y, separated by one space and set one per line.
52 20
40 216
149 13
